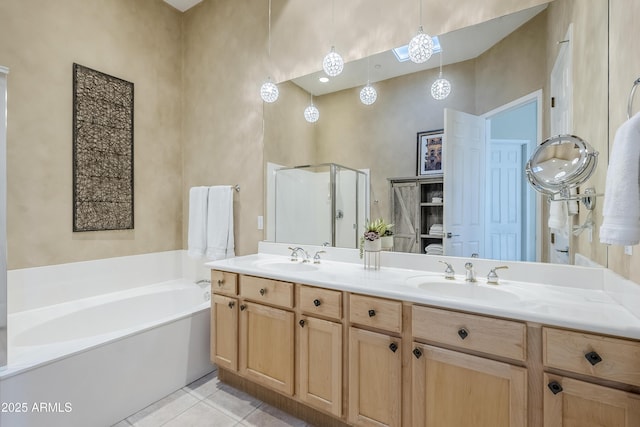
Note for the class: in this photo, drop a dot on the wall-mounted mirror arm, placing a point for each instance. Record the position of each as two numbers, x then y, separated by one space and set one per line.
588 198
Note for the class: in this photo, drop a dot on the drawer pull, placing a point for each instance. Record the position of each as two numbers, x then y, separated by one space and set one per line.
372 313
220 283
555 387
316 302
417 353
301 323
393 347
463 333
231 304
593 358
242 307
263 291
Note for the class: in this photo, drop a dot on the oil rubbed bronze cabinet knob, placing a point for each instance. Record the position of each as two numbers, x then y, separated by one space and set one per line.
372 313
316 302
231 304
393 347
463 333
555 387
593 358
242 307
417 353
263 291
301 322
220 283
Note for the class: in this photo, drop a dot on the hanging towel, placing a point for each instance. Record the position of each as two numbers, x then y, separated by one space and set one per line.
621 211
558 216
220 242
573 205
197 236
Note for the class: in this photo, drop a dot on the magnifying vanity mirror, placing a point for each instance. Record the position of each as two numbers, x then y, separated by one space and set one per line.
560 164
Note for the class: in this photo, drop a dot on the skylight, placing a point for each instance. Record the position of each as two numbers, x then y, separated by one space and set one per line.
402 52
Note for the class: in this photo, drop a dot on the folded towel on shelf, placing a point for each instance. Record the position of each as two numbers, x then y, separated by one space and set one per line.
621 210
220 241
434 249
197 234
436 230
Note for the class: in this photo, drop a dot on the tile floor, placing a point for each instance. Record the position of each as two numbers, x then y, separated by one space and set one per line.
207 402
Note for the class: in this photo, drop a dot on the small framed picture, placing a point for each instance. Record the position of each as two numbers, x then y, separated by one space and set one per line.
430 152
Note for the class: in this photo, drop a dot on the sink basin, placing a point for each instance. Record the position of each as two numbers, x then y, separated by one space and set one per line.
285 266
459 289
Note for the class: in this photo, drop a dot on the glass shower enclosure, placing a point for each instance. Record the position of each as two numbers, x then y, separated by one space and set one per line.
318 204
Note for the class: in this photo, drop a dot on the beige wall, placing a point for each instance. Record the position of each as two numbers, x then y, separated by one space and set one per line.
138 41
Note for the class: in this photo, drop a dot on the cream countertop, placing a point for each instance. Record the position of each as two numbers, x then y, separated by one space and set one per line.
584 298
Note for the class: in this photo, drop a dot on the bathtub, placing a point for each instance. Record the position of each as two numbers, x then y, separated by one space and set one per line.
90 354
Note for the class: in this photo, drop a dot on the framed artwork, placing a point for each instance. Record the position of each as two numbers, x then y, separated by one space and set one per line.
102 151
430 152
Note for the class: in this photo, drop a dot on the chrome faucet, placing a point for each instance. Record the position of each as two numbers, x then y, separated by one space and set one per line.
448 272
294 254
492 277
471 274
316 257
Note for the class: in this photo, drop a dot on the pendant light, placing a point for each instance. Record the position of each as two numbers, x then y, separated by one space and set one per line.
333 64
441 88
421 45
368 94
311 113
269 91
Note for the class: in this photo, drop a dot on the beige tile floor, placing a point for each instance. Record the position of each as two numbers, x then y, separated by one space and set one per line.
209 403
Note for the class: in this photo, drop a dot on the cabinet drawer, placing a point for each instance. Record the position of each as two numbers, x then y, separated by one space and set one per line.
376 312
492 336
325 302
603 357
267 291
224 283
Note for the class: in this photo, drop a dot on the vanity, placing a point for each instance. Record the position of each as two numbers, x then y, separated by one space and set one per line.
402 346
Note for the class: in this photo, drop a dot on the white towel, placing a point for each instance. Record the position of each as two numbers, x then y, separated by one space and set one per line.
558 216
220 242
197 236
621 211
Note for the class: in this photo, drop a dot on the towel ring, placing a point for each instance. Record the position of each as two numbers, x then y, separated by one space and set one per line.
630 103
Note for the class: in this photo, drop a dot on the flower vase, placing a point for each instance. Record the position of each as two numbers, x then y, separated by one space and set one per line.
373 245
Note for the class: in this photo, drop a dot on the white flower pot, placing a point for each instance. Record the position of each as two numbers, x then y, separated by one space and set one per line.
373 245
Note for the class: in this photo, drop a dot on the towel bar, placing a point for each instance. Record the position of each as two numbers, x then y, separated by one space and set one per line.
630 103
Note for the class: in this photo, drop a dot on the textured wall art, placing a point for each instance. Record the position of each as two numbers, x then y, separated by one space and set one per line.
102 151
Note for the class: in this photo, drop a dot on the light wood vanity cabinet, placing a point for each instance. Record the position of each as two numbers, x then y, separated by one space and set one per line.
371 361
572 402
451 388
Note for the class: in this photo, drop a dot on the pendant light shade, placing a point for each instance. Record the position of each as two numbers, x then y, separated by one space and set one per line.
420 47
333 64
311 114
441 88
368 95
269 91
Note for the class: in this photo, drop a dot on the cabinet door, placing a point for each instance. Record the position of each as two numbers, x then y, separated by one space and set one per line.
224 332
573 403
374 379
266 346
320 356
457 389
404 205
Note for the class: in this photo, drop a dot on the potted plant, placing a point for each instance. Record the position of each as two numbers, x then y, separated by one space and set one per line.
387 238
373 231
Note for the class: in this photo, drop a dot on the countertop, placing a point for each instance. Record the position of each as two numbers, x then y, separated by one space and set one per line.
591 309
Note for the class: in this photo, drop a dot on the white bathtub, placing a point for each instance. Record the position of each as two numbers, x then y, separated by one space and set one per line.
89 357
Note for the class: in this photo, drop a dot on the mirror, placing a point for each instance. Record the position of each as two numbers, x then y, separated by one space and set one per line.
382 137
560 164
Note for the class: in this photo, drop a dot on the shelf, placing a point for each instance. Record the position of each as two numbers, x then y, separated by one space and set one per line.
431 236
432 204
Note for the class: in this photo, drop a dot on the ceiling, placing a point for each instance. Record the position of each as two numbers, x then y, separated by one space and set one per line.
457 46
183 5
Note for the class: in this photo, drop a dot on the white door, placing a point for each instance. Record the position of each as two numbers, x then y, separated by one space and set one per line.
463 153
561 123
504 200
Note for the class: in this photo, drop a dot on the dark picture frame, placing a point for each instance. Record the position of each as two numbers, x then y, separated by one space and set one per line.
102 151
429 152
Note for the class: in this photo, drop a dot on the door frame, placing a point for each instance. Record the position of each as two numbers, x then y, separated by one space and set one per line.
533 199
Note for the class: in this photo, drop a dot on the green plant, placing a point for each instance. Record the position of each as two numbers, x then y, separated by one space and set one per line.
378 226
